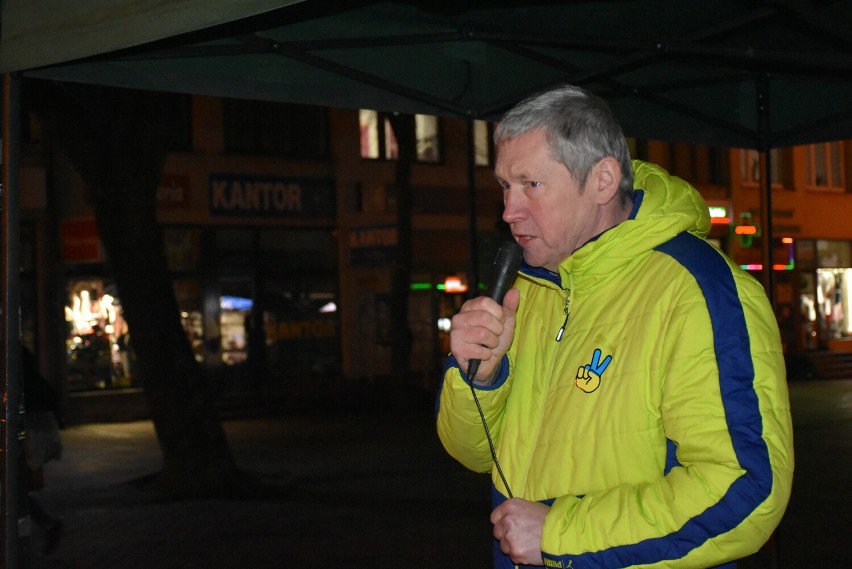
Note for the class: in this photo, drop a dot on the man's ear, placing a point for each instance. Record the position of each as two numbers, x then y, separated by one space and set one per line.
606 178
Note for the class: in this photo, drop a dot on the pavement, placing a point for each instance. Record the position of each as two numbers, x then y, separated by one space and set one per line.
368 488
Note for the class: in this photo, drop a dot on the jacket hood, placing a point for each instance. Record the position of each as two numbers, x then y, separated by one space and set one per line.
664 206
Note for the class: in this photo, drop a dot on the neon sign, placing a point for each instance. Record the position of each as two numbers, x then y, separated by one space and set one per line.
791 264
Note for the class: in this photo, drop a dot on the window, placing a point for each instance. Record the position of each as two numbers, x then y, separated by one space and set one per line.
750 167
370 145
378 140
97 348
262 128
824 166
426 131
483 146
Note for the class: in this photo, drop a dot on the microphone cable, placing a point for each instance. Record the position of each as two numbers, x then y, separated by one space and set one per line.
473 366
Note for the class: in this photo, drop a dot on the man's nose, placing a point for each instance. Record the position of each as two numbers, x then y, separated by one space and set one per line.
512 206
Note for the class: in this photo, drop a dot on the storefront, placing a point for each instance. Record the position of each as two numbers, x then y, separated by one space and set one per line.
259 306
826 294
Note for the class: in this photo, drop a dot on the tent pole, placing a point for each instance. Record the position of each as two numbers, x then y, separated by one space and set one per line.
13 491
768 239
766 247
473 267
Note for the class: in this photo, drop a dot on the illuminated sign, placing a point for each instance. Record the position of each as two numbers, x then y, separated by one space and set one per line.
720 211
746 230
454 284
719 214
271 196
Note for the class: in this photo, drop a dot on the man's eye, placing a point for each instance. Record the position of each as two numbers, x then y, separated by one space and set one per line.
533 184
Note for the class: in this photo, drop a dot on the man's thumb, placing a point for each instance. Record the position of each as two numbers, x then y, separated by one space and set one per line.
511 301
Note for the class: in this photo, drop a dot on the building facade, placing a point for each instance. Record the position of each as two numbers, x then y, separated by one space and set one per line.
281 234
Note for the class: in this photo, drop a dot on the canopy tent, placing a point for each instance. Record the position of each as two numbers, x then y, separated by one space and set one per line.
48 32
684 71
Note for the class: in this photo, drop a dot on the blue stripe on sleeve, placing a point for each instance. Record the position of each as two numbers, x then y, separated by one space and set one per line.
745 424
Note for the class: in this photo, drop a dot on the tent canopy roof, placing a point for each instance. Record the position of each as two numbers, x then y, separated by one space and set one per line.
689 71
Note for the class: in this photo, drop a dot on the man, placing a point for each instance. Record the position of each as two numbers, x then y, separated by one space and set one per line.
633 380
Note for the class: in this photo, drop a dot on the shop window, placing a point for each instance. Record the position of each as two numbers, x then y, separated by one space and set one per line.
262 128
233 327
300 326
272 309
98 350
824 167
833 298
833 295
378 140
751 170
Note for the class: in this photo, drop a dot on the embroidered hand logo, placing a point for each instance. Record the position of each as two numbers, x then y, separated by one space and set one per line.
589 375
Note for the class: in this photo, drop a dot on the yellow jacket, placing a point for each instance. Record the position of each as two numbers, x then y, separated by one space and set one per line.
658 426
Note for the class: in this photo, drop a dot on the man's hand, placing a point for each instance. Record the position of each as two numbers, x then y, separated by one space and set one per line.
482 330
517 526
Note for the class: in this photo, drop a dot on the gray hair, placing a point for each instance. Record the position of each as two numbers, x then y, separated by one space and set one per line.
580 128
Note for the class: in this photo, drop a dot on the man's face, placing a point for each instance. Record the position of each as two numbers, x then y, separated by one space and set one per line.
549 215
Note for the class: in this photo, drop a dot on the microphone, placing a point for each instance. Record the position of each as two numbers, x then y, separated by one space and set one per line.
507 261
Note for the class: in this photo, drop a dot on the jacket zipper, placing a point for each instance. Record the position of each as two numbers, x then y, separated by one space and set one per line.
565 310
